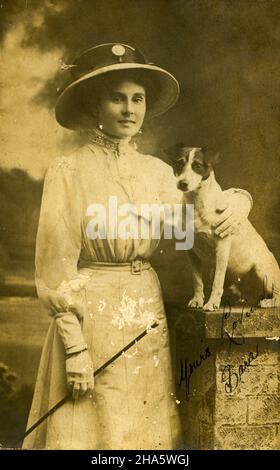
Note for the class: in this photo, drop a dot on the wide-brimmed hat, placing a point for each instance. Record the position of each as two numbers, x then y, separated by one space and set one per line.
106 59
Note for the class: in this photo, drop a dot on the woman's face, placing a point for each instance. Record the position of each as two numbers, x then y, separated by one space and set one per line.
122 109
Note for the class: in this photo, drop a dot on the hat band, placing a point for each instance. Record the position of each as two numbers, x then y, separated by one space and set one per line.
77 72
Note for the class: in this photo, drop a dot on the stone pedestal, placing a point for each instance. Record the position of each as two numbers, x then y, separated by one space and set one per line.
227 368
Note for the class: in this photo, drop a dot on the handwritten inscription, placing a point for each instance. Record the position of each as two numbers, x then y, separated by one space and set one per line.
187 368
229 328
232 377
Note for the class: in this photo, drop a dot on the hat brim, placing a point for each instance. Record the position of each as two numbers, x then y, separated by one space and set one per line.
69 110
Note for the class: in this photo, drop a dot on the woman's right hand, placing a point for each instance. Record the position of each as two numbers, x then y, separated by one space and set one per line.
79 372
68 296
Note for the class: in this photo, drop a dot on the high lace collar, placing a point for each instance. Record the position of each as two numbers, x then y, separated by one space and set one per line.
118 146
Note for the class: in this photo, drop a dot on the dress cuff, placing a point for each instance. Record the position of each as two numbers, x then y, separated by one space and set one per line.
70 331
76 349
243 191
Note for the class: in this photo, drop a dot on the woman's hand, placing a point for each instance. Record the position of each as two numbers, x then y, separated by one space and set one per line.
232 213
68 296
79 372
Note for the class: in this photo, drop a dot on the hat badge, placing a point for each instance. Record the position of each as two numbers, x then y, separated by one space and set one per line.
118 50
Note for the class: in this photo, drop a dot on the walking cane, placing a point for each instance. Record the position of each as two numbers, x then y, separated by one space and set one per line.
100 369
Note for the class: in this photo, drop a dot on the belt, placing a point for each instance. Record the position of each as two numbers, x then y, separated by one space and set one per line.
135 267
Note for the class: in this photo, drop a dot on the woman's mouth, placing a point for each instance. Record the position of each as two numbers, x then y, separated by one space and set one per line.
126 121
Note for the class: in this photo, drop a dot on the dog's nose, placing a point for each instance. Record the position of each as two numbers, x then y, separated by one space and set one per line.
182 185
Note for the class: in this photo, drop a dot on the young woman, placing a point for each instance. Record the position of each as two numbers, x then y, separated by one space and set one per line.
92 268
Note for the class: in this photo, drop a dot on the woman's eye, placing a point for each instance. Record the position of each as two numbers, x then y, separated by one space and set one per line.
116 99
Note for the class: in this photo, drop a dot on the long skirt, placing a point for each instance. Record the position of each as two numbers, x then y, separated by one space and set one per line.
133 405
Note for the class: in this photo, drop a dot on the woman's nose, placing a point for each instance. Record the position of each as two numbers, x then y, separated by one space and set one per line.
128 107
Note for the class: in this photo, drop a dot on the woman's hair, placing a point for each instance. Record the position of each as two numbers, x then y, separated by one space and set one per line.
105 82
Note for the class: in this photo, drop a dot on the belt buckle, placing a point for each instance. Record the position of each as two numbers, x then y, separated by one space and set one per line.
136 266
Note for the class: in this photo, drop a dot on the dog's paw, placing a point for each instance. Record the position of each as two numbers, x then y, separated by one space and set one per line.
196 302
211 305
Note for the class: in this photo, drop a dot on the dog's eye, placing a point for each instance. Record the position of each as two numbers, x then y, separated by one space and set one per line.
175 170
197 166
178 167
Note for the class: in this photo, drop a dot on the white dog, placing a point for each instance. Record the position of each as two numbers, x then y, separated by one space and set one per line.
240 254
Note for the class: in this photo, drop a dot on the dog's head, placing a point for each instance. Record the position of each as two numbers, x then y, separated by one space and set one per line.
191 165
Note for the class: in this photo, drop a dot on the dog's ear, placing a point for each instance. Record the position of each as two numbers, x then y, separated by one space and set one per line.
210 156
175 152
215 158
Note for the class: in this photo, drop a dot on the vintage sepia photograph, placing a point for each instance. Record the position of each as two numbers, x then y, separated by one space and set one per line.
140 225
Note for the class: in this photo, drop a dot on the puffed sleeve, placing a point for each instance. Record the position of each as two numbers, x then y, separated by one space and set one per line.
58 246
232 191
